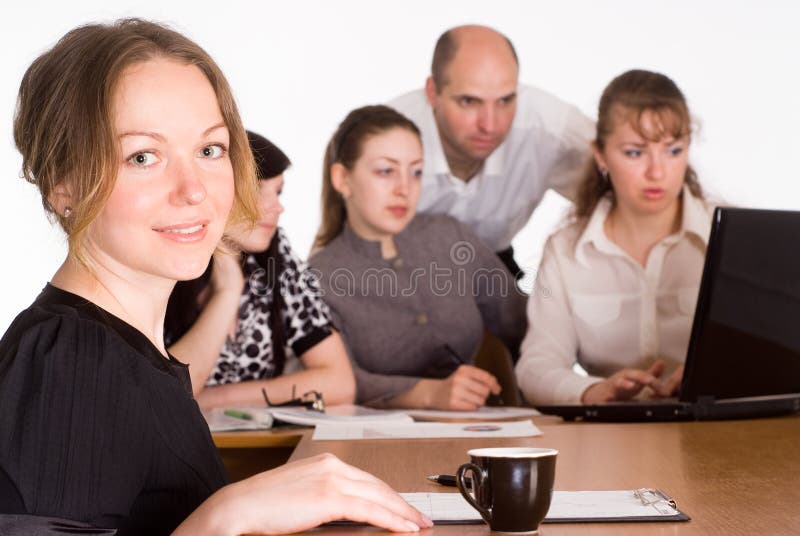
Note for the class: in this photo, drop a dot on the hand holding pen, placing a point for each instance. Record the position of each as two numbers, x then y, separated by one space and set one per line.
469 387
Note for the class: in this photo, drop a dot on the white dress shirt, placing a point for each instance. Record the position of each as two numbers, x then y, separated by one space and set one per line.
594 304
547 147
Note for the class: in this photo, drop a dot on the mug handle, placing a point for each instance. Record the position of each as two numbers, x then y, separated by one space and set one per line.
477 481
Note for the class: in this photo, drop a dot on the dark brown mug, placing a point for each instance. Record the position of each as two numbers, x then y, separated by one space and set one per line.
513 486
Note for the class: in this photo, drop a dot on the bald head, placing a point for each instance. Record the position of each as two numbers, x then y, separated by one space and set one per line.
474 44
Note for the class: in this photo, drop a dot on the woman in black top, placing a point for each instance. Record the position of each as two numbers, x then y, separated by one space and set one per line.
256 320
131 134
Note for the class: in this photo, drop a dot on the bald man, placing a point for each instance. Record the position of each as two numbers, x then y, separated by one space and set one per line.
492 146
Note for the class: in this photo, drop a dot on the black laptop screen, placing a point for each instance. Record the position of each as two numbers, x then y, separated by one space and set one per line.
746 334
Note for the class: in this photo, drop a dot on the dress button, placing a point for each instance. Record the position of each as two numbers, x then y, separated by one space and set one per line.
397 263
422 319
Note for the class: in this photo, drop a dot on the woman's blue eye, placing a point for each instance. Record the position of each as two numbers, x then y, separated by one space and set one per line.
417 173
385 172
675 151
633 152
212 151
143 159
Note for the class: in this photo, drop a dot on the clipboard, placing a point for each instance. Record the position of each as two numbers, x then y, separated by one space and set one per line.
640 505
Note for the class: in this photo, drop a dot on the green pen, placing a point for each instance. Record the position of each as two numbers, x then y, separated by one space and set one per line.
238 414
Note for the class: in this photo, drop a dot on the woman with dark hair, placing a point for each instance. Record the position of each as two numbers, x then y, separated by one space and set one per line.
617 287
243 324
412 293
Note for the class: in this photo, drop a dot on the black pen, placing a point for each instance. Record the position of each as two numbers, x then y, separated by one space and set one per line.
448 480
454 356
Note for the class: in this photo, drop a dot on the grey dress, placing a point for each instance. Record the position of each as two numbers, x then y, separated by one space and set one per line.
421 313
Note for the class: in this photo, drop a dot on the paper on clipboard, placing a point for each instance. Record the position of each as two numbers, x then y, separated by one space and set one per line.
566 507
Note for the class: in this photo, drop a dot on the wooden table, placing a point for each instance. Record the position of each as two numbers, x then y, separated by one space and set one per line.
246 453
734 477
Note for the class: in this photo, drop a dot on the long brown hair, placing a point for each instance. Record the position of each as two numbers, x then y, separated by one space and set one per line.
63 124
345 148
626 98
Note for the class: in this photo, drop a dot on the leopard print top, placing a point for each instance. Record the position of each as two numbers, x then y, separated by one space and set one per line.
306 319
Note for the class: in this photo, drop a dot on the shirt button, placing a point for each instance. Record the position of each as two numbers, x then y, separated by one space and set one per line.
397 263
422 319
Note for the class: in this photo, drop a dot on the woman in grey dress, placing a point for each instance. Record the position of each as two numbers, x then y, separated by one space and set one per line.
412 294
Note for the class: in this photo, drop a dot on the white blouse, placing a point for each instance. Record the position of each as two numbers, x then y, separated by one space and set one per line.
594 304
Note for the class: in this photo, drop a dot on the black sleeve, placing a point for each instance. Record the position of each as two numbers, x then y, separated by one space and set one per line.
26 525
74 435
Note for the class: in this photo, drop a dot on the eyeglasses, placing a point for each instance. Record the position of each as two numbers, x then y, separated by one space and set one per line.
312 400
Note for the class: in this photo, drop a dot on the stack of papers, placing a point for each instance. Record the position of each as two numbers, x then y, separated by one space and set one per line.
260 418
484 413
359 422
424 430
339 415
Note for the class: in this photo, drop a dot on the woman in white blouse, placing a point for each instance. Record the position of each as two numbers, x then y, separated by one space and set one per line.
617 287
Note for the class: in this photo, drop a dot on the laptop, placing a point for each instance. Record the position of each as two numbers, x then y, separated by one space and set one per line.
743 358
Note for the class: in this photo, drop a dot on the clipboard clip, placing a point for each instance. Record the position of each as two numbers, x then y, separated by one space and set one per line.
655 498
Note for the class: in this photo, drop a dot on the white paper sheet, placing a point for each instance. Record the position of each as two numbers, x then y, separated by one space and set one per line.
484 413
262 417
345 414
565 505
425 430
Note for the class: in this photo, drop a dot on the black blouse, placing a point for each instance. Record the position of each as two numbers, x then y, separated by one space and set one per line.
97 426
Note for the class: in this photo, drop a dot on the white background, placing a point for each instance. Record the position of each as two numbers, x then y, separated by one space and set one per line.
297 67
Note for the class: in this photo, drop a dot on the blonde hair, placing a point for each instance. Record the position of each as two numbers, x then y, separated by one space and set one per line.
345 148
63 124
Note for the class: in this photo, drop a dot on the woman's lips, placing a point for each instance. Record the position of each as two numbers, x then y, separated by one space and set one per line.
185 233
654 193
398 212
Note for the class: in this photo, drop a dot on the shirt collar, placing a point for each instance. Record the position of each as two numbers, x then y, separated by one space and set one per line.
695 220
435 159
496 162
594 232
371 249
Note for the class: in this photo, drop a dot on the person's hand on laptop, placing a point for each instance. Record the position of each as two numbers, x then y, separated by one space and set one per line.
626 384
670 385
